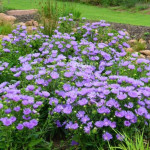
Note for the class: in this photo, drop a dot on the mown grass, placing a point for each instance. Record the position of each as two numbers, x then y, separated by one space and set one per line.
90 12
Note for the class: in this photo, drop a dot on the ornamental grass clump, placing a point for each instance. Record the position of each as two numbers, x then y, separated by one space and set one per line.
71 83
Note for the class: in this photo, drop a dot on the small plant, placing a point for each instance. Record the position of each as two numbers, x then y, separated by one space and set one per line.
52 10
146 33
135 142
1 6
5 28
139 46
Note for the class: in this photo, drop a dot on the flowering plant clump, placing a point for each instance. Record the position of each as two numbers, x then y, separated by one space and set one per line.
82 82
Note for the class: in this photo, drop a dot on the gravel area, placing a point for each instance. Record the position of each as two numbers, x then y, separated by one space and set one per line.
136 32
25 18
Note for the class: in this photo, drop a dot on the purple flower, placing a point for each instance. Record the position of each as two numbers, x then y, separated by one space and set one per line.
127 123
141 111
83 101
39 81
74 126
2 68
53 101
45 93
121 96
34 122
106 122
85 119
87 129
74 143
1 105
102 45
6 121
113 125
26 67
68 74
131 66
103 110
6 50
122 33
129 115
17 74
67 87
80 114
58 123
99 124
130 105
119 137
29 77
107 136
67 109
27 111
30 88
7 111
54 75
110 34
20 126
133 94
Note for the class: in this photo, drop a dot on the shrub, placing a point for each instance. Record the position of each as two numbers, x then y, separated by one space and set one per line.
81 83
139 46
5 28
129 3
141 6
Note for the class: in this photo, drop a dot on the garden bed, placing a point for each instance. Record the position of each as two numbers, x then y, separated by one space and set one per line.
136 32
81 86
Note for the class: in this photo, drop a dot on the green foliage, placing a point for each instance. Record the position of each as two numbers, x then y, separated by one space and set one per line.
129 3
139 46
146 33
141 6
51 11
110 2
1 6
135 143
132 142
5 28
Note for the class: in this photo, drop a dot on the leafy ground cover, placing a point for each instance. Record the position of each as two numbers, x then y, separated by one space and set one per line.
91 12
79 84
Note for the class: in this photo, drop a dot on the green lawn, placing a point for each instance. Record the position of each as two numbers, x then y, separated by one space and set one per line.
90 12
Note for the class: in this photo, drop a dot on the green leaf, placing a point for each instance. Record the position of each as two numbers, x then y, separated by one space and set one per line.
34 143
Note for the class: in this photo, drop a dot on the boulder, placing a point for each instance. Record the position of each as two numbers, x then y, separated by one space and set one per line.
148 57
35 23
130 50
30 29
22 12
131 42
2 36
7 19
145 52
127 33
21 23
142 41
142 56
32 23
29 23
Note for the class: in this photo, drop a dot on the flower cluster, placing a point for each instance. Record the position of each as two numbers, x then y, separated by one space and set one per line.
90 84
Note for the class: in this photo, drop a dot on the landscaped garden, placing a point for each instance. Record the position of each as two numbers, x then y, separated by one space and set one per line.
70 83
